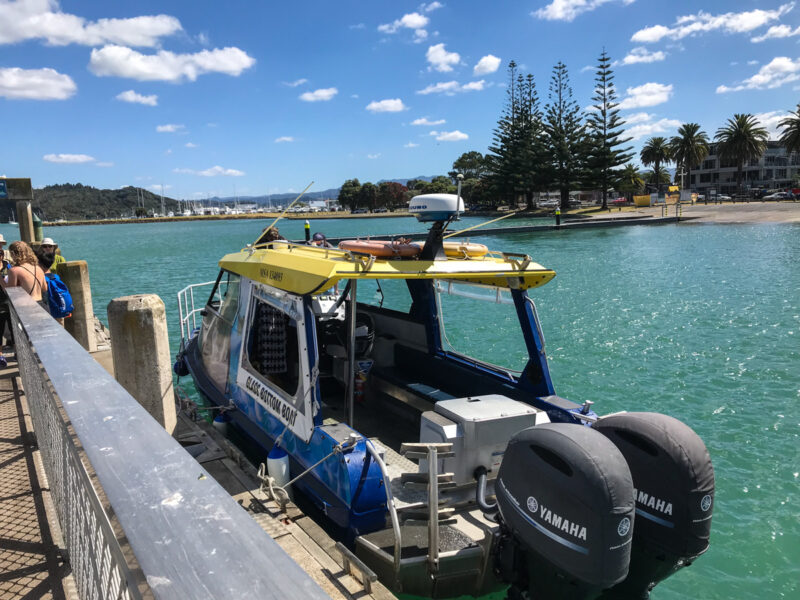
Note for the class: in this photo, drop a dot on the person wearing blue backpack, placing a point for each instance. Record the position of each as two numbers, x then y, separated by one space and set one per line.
59 300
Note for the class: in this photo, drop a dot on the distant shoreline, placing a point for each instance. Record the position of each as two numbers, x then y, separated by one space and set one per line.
730 212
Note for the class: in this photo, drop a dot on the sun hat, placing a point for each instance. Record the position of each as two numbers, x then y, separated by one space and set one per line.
2 239
48 242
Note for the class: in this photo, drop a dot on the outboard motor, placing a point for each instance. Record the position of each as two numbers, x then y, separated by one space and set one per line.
565 495
674 483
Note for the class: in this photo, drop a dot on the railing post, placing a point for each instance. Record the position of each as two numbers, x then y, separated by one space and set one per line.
140 349
75 275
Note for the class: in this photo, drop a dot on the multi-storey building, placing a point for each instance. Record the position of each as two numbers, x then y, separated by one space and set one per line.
774 170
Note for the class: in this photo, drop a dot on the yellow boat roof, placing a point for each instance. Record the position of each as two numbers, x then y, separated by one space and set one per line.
301 269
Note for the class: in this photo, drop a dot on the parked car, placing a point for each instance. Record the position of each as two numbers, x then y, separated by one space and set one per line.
778 196
358 211
723 198
381 210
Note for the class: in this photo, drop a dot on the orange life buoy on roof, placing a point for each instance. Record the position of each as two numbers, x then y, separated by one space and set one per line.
382 248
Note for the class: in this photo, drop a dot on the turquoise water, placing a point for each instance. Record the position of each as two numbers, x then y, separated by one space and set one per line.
701 322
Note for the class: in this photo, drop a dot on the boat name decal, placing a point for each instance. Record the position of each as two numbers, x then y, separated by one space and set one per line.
646 500
576 530
273 275
286 412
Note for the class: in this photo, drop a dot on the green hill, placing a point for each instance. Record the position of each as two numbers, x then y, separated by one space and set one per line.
74 201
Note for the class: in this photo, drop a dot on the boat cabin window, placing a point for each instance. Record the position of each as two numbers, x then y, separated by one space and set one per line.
272 346
225 295
387 293
481 323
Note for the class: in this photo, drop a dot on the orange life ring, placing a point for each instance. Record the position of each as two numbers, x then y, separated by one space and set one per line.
382 248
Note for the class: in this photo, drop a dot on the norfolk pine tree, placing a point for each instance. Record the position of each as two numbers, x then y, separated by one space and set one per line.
604 128
565 134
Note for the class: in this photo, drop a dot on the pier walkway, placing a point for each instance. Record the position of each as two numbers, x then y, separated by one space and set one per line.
32 562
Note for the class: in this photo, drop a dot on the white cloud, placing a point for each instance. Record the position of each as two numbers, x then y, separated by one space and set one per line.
212 172
752 62
296 82
776 32
72 159
320 95
410 145
284 139
104 164
648 94
642 55
646 128
133 97
703 22
118 61
424 121
35 84
770 120
159 187
487 64
450 88
190 145
170 128
567 10
374 156
42 19
779 71
473 86
431 7
641 117
389 105
414 21
449 136
441 59
357 26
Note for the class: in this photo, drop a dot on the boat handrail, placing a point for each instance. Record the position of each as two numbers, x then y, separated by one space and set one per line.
187 311
387 484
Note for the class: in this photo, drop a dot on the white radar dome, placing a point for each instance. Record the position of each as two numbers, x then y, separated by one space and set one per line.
436 207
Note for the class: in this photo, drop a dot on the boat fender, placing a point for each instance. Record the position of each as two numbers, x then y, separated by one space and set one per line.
220 423
180 368
278 469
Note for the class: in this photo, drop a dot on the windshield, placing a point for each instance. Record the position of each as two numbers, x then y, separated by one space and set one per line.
481 323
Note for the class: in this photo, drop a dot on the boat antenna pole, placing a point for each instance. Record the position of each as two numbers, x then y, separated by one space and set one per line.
460 231
285 210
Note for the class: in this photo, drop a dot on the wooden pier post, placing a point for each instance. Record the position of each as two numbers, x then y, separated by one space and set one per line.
75 274
140 350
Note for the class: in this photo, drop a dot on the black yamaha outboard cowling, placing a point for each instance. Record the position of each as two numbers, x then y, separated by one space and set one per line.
674 483
565 495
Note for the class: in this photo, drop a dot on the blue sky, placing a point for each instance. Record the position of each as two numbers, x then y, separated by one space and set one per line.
216 98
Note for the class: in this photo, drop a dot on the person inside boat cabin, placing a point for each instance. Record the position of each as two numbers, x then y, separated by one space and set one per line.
270 234
319 239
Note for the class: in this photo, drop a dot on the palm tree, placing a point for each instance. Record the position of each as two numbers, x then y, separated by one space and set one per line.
630 181
790 137
689 148
656 151
742 139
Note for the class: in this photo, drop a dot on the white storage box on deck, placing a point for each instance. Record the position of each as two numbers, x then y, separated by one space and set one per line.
479 428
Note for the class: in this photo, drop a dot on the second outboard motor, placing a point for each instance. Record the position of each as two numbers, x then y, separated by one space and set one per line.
565 495
674 483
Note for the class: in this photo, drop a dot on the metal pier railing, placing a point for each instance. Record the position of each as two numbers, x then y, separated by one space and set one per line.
175 532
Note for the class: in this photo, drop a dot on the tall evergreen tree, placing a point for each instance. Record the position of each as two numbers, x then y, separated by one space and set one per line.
532 164
689 148
604 130
565 134
503 152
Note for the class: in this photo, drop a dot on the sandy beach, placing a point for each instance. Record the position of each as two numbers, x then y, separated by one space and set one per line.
740 212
